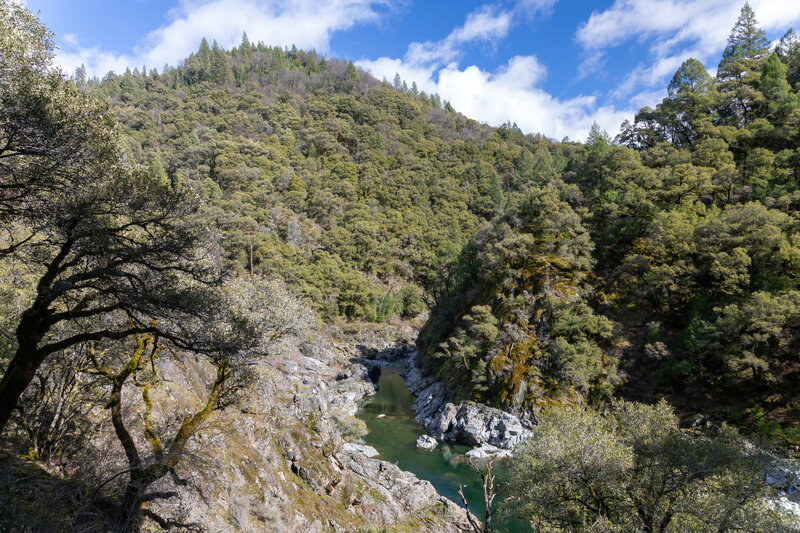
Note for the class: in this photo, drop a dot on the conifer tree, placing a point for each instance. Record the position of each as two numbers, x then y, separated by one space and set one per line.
397 82
205 51
221 70
352 73
789 51
747 41
778 94
738 72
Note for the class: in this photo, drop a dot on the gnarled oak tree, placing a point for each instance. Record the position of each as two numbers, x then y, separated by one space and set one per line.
111 247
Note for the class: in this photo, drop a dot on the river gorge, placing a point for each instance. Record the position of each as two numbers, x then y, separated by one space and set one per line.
393 432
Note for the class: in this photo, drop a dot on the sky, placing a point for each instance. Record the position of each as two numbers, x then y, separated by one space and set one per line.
551 66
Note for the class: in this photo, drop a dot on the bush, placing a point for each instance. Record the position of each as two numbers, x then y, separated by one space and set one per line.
352 429
636 470
411 303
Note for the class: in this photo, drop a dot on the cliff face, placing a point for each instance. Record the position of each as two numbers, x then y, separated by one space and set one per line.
276 460
279 464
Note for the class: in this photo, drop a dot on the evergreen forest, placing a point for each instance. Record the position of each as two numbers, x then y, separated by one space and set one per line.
622 289
662 261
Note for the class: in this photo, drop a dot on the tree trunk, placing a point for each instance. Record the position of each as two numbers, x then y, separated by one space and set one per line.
142 477
130 520
16 379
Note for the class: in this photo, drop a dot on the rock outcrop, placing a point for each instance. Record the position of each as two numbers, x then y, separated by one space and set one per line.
487 451
466 422
363 449
784 476
279 462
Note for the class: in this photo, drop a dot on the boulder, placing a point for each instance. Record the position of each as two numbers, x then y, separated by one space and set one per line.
362 449
426 442
486 452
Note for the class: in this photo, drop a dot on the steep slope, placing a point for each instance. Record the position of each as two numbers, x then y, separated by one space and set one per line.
275 461
665 263
662 264
352 191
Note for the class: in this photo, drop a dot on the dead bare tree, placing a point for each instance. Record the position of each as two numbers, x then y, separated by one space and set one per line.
487 480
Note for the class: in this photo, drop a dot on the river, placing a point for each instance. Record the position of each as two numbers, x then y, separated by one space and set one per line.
393 432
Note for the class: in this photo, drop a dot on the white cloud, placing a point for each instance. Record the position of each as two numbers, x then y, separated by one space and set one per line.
707 22
305 23
592 64
487 24
510 93
531 8
677 30
484 24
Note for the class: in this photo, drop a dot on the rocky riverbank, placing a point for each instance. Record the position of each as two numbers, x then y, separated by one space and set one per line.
283 457
491 431
289 467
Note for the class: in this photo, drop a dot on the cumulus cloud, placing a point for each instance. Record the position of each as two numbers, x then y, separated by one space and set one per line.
305 23
510 93
676 30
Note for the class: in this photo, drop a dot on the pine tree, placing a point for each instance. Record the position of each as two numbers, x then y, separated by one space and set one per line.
738 72
352 73
779 99
205 51
221 70
789 51
746 42
598 138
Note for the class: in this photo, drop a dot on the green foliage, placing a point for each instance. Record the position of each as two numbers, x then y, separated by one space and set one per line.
371 198
410 300
635 470
517 323
109 250
691 224
345 187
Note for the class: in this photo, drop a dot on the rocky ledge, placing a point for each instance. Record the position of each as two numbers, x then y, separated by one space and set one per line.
466 422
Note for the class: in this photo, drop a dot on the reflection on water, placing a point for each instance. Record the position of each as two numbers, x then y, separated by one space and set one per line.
394 435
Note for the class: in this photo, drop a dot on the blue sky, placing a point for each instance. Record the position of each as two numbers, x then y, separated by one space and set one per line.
551 66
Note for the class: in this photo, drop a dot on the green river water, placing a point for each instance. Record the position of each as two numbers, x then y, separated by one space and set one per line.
395 434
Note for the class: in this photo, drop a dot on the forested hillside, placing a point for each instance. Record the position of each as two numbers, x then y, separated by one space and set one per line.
356 192
204 268
664 262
